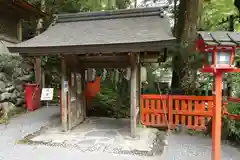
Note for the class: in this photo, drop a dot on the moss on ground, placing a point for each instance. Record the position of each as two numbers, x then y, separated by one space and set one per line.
14 113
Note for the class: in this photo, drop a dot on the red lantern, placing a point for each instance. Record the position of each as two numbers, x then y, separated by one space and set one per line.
219 51
216 56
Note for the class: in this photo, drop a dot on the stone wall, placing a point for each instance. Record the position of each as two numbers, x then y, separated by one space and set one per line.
14 73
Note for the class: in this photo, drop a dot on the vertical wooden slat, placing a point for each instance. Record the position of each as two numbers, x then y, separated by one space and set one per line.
147 104
165 111
196 109
176 111
159 110
210 109
153 113
147 108
158 105
170 109
201 118
159 119
189 110
142 107
153 119
183 109
153 104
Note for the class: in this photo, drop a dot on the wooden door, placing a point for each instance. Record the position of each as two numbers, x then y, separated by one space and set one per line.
75 109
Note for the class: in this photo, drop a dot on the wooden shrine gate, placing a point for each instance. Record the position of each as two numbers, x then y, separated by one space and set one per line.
190 111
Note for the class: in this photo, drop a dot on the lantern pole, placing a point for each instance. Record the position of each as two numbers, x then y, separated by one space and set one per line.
217 114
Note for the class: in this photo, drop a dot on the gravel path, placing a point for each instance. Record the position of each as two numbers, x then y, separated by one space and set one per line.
186 147
28 123
181 147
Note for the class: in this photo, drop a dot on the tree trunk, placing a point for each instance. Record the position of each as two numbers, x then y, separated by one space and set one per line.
186 33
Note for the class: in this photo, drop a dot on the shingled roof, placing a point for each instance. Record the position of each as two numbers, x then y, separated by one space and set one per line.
131 30
21 8
222 38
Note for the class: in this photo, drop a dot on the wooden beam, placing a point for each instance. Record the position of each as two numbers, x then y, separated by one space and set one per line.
94 54
101 48
64 95
116 61
133 97
105 65
103 57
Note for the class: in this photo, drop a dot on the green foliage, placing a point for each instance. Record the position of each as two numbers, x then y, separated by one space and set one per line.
215 14
233 126
14 66
230 127
52 68
113 100
70 6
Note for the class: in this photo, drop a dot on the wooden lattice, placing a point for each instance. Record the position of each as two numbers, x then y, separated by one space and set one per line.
8 27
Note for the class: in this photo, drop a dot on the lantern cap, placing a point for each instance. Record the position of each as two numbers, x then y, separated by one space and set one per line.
220 38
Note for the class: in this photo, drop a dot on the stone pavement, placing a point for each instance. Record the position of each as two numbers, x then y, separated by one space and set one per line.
100 134
181 147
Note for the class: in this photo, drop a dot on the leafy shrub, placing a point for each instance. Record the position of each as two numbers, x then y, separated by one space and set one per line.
230 127
113 100
233 126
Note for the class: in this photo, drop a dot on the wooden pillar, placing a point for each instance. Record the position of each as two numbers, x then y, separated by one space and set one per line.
138 89
70 95
64 90
217 118
43 78
91 75
133 97
84 86
19 30
38 72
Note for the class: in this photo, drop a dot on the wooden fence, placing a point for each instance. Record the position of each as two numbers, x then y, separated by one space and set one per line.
173 110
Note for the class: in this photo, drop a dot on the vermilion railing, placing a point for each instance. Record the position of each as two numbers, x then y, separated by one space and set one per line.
174 110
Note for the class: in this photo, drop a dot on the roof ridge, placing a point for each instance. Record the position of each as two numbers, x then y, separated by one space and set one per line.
109 14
